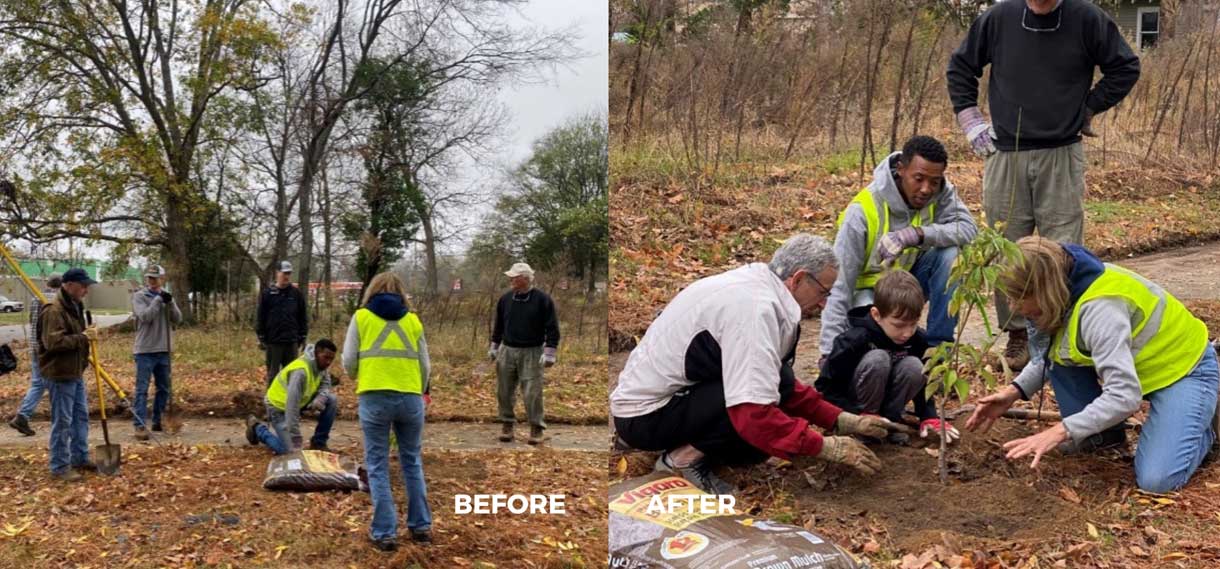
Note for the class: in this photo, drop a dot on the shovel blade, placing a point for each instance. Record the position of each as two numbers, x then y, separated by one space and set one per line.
107 458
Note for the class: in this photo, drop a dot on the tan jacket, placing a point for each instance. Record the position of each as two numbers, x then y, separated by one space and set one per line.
63 348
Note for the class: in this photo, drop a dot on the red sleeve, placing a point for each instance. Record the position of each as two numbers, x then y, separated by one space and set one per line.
769 429
807 403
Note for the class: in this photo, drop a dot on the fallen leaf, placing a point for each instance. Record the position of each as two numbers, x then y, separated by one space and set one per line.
1069 495
1093 533
1138 551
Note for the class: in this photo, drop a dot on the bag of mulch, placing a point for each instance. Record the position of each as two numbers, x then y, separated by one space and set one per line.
310 471
8 360
696 540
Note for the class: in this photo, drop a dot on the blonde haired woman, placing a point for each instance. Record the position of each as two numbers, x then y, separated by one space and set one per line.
1114 338
385 353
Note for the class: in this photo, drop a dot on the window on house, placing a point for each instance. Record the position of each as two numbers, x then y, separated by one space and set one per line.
1148 27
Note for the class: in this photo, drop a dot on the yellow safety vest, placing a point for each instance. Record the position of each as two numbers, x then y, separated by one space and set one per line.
1166 339
277 394
877 214
389 353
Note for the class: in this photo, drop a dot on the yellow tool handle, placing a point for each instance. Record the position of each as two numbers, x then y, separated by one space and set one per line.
101 393
97 367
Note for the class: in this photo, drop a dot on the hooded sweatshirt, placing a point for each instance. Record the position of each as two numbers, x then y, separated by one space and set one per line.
153 331
1105 332
952 226
387 306
837 380
296 392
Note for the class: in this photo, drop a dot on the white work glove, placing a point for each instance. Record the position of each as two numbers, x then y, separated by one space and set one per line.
978 131
548 357
492 350
91 333
892 244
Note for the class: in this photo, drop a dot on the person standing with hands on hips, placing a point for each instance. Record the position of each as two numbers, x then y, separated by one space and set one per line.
154 308
524 340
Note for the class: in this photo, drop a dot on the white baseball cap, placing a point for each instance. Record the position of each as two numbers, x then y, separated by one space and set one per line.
155 271
285 267
520 269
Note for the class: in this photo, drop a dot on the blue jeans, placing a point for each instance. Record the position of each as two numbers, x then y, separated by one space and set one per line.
277 438
38 386
932 270
381 411
1178 433
69 443
156 365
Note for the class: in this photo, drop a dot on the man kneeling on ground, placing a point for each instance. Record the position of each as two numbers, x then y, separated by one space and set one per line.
710 382
302 384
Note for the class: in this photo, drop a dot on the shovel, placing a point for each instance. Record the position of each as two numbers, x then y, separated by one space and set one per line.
108 456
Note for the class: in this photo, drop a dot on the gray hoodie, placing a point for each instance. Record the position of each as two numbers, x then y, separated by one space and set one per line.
153 321
296 391
951 226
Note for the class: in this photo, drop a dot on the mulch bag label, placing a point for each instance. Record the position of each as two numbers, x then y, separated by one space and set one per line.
309 471
694 540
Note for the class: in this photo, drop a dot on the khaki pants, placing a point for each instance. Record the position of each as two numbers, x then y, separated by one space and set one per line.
1035 189
520 366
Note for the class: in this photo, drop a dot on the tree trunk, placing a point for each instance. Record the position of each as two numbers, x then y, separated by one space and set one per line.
927 72
430 255
902 75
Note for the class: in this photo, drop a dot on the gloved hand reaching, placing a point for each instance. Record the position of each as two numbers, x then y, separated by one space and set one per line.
548 357
933 426
978 131
850 452
867 425
891 245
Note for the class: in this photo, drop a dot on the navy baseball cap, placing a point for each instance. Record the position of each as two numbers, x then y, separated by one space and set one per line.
78 275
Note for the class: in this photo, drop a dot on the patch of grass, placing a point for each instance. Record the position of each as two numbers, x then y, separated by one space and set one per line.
1103 211
14 318
143 518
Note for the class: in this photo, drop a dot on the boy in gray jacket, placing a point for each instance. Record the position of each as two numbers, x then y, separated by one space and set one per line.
910 217
153 309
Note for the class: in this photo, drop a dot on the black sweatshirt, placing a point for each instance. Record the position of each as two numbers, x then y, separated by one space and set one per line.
1045 75
526 320
282 317
837 379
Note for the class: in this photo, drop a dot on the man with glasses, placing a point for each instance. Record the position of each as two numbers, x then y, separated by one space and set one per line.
1042 98
712 381
910 217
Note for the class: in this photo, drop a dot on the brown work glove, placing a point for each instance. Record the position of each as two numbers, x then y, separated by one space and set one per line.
867 425
850 452
91 333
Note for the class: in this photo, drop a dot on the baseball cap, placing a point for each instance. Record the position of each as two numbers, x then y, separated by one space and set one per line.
78 275
155 271
519 269
285 267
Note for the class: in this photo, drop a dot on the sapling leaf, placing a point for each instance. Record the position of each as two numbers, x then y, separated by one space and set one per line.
963 390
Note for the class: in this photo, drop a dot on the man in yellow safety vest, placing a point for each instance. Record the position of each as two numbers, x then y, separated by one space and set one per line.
302 384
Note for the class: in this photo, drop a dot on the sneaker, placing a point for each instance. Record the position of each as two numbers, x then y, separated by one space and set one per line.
320 447
68 475
537 436
421 535
387 544
1016 352
1108 439
506 433
156 427
251 433
698 473
141 434
22 425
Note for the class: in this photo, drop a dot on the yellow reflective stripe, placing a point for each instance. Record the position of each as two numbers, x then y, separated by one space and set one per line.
378 349
877 217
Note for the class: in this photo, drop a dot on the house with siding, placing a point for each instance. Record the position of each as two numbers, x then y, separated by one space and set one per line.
1140 20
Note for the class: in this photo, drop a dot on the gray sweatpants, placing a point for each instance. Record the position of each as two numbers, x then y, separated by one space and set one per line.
1035 189
520 366
884 386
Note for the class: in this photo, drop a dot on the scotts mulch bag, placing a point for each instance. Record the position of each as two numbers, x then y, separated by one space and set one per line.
695 540
310 471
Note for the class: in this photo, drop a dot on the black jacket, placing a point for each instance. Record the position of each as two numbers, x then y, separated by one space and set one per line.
281 316
836 381
526 321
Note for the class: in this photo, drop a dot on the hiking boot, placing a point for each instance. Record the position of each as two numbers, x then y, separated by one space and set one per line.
68 475
320 447
421 536
141 434
1016 352
506 433
1108 439
157 427
698 473
87 466
22 425
251 433
537 435
386 544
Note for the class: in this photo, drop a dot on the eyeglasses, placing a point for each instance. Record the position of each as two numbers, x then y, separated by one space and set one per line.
825 291
1027 28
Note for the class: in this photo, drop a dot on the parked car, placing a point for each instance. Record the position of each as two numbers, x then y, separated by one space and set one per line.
7 305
